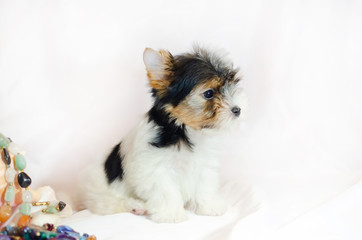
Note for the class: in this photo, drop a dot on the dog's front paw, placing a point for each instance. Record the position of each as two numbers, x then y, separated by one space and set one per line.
214 207
169 216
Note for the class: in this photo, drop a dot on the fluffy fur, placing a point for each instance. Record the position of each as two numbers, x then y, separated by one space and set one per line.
168 162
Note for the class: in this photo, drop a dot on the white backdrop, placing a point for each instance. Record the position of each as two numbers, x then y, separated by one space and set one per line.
72 82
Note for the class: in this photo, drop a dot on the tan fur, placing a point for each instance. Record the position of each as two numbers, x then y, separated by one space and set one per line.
197 112
161 84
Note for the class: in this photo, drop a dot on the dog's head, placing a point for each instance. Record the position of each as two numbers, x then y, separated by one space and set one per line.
198 89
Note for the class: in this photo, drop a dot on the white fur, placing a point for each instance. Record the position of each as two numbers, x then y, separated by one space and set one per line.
163 181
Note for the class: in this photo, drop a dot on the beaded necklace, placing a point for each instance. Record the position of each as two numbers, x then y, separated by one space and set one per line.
25 230
23 180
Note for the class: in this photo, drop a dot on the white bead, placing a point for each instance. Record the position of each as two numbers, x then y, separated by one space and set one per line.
15 149
10 175
53 203
27 196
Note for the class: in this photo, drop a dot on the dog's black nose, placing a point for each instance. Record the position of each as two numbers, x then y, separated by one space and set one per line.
236 111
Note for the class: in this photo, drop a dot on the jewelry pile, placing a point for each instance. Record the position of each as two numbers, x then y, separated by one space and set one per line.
15 175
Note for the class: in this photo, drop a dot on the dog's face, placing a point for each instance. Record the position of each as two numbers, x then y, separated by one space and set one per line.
197 89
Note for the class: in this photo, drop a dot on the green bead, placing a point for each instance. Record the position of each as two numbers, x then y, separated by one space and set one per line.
25 208
51 209
9 194
4 141
20 162
47 235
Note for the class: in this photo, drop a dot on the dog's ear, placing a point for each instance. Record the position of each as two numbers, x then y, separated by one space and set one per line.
158 65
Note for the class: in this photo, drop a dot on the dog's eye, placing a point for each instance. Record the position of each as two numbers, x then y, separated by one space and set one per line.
209 94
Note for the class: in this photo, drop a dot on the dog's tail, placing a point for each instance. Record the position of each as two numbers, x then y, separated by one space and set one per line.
96 194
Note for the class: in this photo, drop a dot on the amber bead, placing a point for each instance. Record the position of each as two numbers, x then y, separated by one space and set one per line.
24 221
91 237
5 213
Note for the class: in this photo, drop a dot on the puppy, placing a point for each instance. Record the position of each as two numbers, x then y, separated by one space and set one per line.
168 162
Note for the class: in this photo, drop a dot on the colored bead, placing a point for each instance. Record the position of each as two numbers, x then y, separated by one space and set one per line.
25 208
48 226
6 156
15 149
47 235
9 194
29 233
24 221
92 237
24 180
65 237
20 162
64 228
51 210
27 196
5 237
5 213
15 231
10 175
61 205
4 141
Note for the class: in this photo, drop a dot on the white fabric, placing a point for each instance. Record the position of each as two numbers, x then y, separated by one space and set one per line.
72 82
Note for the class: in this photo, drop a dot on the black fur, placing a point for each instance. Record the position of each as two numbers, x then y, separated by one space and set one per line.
190 70
113 165
187 71
169 133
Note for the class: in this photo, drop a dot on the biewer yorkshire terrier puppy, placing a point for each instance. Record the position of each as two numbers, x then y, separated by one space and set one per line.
168 162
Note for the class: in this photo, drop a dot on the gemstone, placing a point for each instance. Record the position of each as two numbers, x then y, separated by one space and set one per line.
9 194
24 180
24 221
61 205
48 226
5 213
47 234
64 228
4 141
27 196
65 237
51 210
29 233
15 231
25 208
92 237
10 175
6 156
20 162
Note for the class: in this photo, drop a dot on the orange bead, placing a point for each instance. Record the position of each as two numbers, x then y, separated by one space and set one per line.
91 237
24 221
5 213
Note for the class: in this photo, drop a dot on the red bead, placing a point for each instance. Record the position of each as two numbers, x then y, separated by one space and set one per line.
48 226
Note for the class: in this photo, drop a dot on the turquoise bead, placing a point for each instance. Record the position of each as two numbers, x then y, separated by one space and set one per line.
25 208
4 141
20 162
9 194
